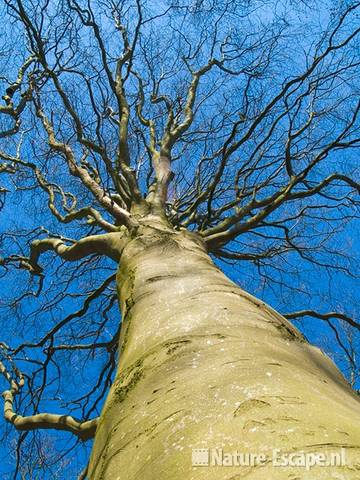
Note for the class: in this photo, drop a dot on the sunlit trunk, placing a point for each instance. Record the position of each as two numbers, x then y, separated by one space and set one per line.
203 364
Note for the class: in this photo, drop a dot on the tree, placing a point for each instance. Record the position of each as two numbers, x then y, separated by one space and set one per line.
162 138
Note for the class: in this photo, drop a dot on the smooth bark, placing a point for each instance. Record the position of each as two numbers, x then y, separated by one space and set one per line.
203 364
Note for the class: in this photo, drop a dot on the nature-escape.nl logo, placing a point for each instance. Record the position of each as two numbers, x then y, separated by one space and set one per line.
212 457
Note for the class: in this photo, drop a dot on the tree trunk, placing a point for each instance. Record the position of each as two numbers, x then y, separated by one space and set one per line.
203 364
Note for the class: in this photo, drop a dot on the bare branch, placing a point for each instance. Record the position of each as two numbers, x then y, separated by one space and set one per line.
322 316
85 430
109 244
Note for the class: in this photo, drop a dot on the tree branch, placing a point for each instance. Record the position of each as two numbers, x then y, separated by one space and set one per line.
322 316
85 430
109 244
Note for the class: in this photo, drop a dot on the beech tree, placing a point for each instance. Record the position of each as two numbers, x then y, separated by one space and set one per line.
143 146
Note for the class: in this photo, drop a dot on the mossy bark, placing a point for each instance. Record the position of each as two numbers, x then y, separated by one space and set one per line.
203 364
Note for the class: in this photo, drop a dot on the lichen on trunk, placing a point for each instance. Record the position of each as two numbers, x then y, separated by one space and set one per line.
203 364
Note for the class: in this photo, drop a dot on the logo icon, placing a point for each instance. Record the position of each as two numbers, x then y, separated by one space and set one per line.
200 457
